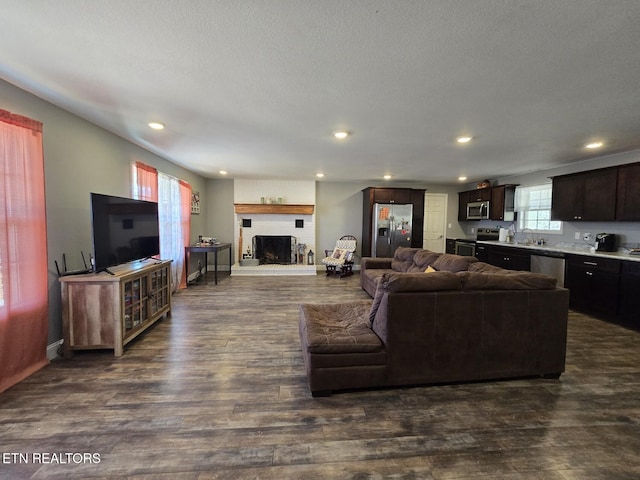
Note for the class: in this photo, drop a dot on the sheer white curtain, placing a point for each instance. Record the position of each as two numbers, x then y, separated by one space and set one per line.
171 234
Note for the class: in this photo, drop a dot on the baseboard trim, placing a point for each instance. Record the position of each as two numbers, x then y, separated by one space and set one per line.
52 350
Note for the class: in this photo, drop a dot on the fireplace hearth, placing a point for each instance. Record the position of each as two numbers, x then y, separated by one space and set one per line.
274 249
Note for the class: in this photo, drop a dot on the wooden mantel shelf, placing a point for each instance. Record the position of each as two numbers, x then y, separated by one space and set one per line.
274 208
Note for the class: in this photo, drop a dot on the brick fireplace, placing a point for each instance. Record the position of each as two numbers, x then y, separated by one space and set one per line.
274 208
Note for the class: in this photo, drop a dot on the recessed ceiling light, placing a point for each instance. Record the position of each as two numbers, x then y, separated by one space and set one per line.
593 145
319 174
341 134
462 179
156 125
463 139
223 172
387 177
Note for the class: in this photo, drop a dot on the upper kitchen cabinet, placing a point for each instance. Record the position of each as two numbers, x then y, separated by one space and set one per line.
390 195
500 200
471 196
586 196
463 199
479 195
501 206
628 195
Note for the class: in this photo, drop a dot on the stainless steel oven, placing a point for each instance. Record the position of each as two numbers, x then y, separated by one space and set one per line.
466 248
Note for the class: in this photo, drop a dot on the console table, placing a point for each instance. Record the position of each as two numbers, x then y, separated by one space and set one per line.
205 248
108 311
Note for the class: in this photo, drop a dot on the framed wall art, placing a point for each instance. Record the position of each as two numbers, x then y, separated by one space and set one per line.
195 203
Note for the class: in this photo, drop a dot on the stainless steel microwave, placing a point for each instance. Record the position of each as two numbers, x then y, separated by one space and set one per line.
478 210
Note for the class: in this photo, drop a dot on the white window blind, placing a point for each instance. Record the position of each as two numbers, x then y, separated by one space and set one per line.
533 204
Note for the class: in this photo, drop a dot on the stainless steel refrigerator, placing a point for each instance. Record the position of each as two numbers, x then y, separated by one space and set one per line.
391 228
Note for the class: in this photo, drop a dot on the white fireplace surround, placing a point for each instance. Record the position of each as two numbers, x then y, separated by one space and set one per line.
291 192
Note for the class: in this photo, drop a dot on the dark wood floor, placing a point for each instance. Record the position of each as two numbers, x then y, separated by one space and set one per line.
218 390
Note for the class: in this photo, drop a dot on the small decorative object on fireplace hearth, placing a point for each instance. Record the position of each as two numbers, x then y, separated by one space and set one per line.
301 249
310 258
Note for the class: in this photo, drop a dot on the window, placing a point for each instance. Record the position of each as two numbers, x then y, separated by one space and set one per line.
533 205
174 213
144 182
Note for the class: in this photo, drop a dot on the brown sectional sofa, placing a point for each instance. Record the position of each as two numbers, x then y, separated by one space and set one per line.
466 321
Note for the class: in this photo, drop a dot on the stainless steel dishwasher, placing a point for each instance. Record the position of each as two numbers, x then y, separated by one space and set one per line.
549 263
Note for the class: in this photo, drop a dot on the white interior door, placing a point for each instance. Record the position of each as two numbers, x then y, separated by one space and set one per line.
435 221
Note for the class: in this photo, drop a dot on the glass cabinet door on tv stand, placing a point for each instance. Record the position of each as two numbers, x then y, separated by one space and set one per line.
103 311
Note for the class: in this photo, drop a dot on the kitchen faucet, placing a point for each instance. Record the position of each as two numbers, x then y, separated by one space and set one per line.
531 240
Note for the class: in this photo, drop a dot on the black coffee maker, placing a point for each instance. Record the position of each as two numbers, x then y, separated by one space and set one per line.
606 242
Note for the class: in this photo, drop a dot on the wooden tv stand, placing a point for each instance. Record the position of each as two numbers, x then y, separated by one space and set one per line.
102 310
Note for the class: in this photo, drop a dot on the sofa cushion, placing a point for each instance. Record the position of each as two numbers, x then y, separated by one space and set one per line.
369 279
419 282
506 280
377 298
424 258
485 268
338 328
453 263
403 259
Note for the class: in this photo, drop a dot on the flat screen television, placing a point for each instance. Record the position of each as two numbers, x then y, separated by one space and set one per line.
124 230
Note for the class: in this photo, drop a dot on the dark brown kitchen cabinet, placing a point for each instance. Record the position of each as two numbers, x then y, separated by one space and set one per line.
373 195
482 252
593 283
390 195
628 194
470 196
510 258
463 199
585 196
501 206
450 245
629 298
500 198
479 195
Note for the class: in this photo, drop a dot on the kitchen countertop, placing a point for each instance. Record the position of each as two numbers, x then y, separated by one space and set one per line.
567 249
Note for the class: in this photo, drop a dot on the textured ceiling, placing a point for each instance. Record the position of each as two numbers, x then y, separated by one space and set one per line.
256 87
